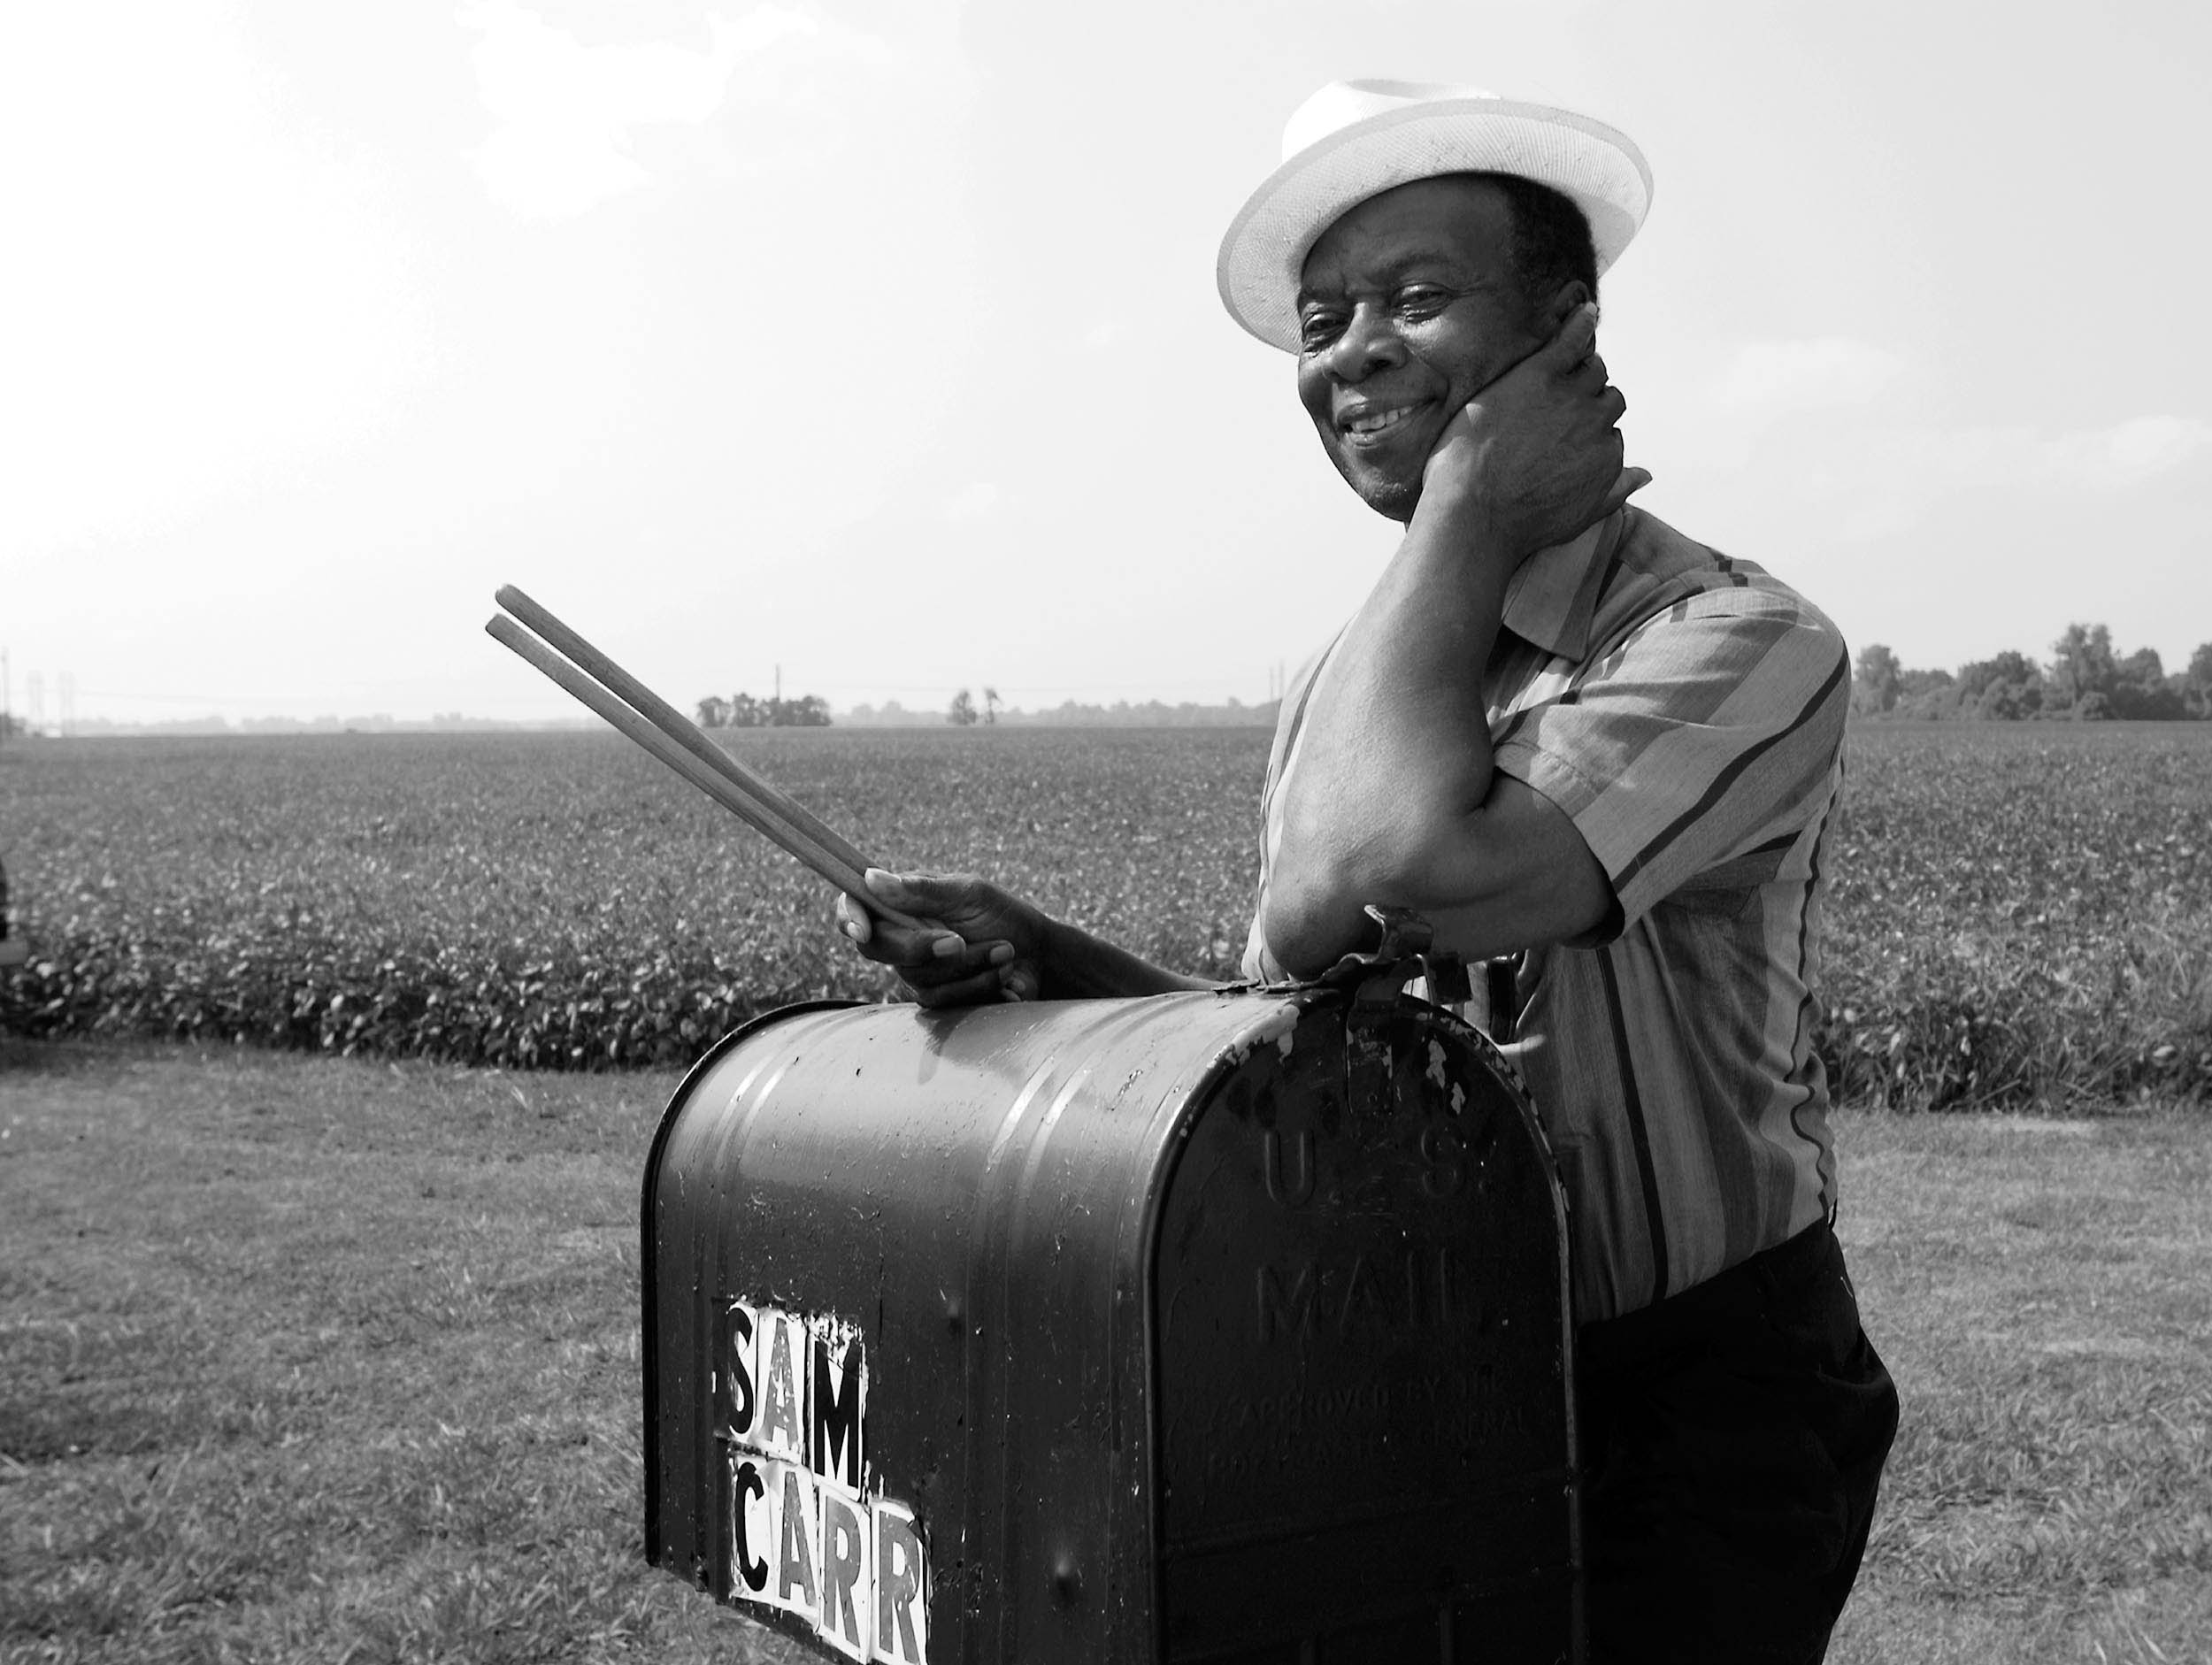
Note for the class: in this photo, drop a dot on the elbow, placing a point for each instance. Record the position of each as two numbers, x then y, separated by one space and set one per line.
1306 936
1514 873
1321 885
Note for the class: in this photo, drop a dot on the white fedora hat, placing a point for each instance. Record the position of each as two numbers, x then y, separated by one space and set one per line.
1354 139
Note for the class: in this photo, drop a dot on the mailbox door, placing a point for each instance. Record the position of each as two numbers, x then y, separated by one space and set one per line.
1366 1442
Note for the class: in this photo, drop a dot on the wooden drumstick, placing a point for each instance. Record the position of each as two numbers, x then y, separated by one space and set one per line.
680 744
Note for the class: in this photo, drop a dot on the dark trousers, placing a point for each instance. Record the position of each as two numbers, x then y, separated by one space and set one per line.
1733 1440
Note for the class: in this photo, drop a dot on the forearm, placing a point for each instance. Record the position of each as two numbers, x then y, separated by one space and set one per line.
1076 965
1395 762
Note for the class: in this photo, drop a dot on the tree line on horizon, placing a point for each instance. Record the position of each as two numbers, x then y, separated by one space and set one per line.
966 711
2086 680
743 710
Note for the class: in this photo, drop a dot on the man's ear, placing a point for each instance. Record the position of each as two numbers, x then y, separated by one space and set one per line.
1569 295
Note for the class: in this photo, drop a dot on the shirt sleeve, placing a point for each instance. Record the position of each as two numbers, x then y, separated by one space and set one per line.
1260 964
1709 731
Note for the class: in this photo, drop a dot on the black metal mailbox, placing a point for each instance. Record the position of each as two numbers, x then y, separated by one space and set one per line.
1206 1327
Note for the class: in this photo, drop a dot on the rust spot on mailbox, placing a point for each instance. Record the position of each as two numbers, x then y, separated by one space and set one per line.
1206 1327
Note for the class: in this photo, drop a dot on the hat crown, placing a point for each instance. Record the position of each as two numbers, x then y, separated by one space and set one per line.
1342 103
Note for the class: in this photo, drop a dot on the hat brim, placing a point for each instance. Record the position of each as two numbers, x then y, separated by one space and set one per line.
1597 167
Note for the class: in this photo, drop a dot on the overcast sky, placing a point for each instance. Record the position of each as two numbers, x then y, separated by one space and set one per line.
878 338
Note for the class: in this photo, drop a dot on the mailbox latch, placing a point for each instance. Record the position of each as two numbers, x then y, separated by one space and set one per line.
1377 979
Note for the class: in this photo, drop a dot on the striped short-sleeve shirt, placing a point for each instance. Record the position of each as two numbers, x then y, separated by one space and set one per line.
1685 711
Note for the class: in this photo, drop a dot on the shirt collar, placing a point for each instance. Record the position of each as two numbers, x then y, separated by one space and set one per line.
1552 597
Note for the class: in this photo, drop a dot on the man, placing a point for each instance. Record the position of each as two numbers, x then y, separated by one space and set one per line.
1560 729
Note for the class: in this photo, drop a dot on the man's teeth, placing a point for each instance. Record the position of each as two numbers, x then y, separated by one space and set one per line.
1376 421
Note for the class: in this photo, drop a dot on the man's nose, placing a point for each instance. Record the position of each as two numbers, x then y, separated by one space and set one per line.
1369 343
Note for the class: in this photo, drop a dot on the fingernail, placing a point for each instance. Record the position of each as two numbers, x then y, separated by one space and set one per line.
945 947
1001 952
878 878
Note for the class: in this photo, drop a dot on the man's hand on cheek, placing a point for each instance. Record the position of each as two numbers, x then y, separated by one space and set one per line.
1535 456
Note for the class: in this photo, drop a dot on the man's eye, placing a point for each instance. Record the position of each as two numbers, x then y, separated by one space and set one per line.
1421 299
1318 329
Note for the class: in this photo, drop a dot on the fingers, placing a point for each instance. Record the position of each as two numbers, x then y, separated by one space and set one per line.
926 894
1577 339
855 921
890 943
998 981
893 943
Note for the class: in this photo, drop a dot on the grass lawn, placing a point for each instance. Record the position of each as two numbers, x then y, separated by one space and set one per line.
305 1359
2042 1291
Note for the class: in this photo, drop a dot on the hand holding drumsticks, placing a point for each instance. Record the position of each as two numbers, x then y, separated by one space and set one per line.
1009 935
954 939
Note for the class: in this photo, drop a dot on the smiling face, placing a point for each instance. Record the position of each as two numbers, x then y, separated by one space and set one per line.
1408 306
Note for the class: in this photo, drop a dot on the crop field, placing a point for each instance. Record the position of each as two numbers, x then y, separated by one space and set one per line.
2021 914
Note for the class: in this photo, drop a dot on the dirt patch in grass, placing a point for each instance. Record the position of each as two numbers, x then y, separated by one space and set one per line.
318 1360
